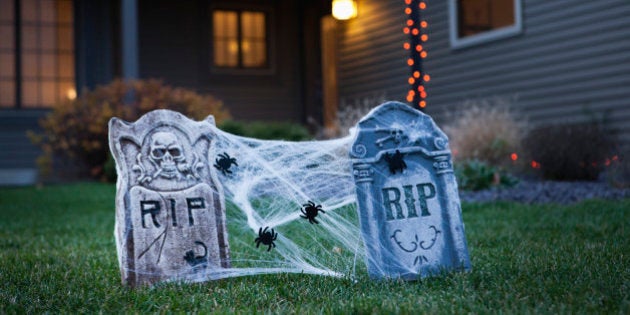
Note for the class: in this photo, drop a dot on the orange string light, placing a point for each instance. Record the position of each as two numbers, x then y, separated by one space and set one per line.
417 79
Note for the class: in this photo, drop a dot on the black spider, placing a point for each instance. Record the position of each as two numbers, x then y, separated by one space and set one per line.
395 162
266 238
310 211
224 163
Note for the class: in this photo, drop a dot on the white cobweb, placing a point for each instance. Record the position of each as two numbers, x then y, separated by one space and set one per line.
269 190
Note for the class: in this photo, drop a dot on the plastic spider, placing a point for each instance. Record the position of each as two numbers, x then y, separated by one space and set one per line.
395 162
266 238
310 211
224 162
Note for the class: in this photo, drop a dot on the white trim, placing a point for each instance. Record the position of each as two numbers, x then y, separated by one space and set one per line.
500 33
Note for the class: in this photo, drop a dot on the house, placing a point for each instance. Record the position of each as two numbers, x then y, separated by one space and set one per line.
289 60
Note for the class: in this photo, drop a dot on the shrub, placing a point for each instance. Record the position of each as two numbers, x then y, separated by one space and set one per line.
77 130
571 152
485 131
267 130
618 172
477 175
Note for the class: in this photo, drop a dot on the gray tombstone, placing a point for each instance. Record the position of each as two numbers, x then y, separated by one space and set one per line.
170 212
409 207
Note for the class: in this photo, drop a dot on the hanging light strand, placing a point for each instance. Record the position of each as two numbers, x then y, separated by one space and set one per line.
416 28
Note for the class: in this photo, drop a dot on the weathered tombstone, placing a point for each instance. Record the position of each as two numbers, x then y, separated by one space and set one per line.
170 212
409 206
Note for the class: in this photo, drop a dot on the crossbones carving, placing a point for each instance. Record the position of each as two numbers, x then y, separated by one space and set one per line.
395 134
168 156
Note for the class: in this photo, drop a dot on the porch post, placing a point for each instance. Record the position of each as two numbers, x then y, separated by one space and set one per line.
129 30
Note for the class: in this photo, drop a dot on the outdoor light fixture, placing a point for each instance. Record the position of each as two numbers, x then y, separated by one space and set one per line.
344 9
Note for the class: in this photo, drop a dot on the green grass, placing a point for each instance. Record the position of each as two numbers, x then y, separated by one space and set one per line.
57 254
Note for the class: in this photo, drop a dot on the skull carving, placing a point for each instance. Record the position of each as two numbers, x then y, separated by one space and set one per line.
167 154
396 134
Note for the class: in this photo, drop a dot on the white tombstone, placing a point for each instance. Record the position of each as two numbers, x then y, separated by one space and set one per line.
409 207
170 212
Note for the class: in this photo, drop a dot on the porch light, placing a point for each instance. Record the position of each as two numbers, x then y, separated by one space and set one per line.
344 9
71 94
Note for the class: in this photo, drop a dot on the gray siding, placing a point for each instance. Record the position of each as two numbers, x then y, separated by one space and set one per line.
372 61
572 55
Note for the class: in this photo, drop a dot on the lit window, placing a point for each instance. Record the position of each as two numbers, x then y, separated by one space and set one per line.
478 21
45 50
239 39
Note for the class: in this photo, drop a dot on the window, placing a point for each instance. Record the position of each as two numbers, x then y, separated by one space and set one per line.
37 65
479 21
239 39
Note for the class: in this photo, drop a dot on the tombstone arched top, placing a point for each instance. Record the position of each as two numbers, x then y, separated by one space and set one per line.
396 126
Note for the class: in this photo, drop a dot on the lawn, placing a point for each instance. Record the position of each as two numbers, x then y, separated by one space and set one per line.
57 254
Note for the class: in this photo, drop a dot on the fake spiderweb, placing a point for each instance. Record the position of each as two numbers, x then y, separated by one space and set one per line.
303 193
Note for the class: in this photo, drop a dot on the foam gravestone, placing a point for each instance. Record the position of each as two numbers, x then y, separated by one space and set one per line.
170 212
408 203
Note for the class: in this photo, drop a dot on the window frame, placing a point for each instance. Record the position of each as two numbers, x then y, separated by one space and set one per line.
270 67
484 37
20 78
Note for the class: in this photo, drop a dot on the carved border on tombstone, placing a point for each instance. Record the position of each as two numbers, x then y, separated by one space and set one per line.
170 208
408 203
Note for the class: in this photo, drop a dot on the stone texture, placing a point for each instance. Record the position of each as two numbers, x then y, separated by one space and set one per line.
170 212
409 208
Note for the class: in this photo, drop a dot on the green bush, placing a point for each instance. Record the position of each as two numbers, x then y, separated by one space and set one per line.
477 175
77 130
267 130
571 152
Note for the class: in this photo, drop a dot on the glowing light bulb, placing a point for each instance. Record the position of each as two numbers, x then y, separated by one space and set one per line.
406 30
406 46
423 54
422 5
344 9
418 48
424 24
416 74
423 104
424 37
411 80
410 62
71 94
426 78
415 31
409 22
407 11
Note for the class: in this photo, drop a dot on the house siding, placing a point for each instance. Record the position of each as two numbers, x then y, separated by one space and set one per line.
372 62
571 58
